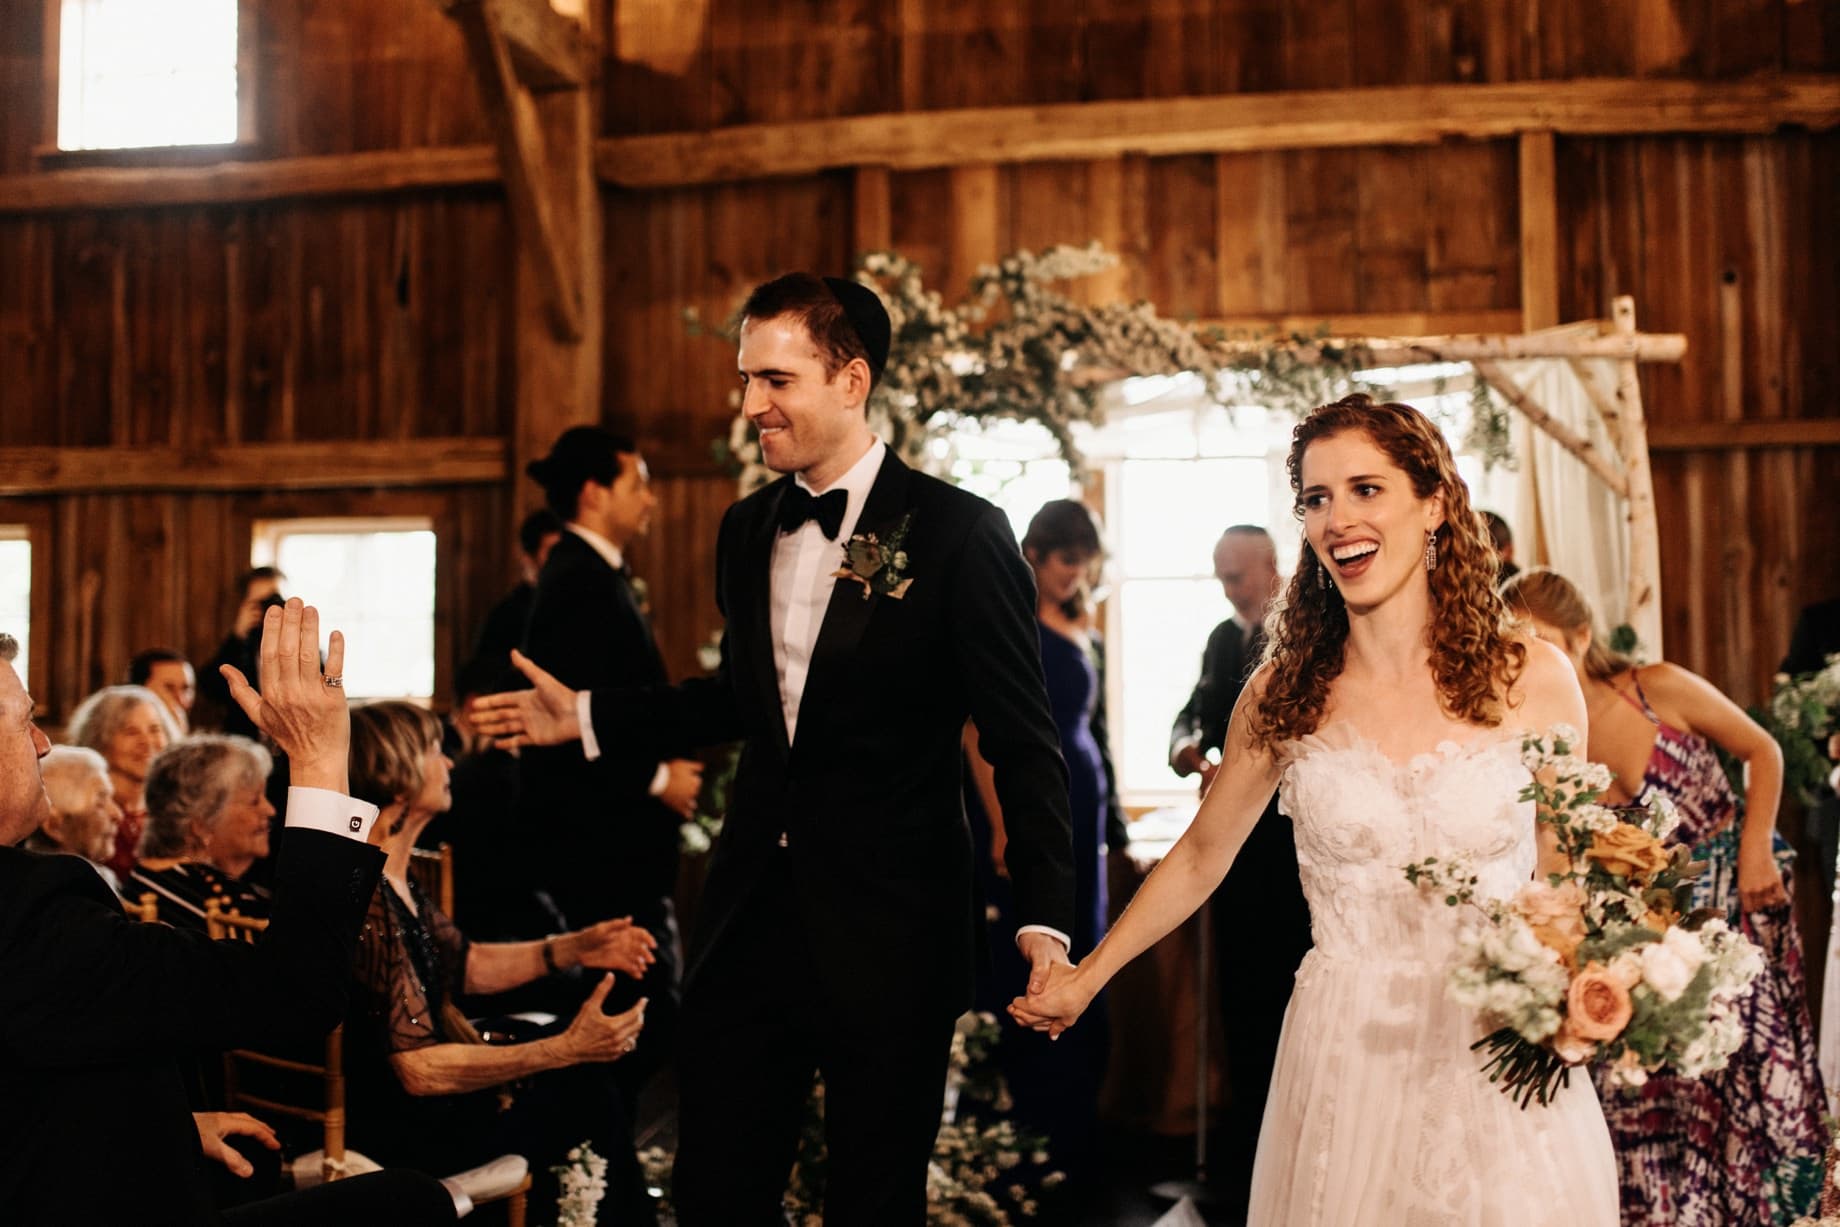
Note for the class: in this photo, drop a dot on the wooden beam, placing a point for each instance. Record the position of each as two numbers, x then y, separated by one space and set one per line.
547 49
1539 232
1373 324
1722 436
334 465
519 130
344 174
1298 119
1412 351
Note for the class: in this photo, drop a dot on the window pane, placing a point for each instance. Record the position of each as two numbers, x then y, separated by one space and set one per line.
1169 621
16 597
1170 513
134 73
378 588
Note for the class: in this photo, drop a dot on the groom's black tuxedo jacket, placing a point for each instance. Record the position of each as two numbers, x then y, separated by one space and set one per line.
867 796
603 846
97 1013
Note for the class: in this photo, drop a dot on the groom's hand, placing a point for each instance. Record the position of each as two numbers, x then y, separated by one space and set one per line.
545 716
1044 953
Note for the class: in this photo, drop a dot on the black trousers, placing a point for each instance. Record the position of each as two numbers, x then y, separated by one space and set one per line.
394 1198
753 1033
1261 933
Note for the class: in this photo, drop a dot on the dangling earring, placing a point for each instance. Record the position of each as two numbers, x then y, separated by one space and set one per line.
1431 551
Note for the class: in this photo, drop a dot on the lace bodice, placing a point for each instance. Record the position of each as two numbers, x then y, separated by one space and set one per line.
1360 818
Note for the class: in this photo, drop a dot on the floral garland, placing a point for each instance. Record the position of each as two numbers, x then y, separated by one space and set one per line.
1016 348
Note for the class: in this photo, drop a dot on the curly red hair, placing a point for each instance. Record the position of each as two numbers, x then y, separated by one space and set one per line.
1474 655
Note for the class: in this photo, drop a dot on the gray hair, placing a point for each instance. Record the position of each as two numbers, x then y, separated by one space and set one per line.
70 774
99 717
9 647
190 784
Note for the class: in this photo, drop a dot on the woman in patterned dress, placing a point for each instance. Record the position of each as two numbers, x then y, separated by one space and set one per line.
1744 1144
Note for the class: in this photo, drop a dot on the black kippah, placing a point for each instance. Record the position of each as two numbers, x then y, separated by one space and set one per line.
867 316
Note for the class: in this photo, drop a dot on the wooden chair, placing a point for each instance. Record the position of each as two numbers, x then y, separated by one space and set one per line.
433 871
144 907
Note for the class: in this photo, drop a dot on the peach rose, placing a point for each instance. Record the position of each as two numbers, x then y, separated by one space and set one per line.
1597 1006
1569 1047
1628 851
1555 914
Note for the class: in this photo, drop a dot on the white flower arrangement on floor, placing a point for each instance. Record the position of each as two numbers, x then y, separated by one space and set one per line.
584 1183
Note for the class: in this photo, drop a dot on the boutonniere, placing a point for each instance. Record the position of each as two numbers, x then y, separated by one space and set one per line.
878 562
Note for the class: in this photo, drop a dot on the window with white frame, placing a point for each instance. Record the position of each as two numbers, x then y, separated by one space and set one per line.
1177 470
16 593
372 579
140 73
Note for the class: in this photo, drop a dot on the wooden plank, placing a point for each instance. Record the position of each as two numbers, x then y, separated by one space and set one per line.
871 212
320 465
1539 232
1755 434
548 50
1300 119
345 174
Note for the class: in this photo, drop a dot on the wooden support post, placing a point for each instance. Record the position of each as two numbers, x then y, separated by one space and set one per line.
1539 232
1562 434
1643 607
871 215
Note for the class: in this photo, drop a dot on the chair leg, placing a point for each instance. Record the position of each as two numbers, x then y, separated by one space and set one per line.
514 1210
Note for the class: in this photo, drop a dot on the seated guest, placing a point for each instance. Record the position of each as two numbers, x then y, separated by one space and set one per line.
96 1011
128 726
83 813
207 822
170 676
422 1090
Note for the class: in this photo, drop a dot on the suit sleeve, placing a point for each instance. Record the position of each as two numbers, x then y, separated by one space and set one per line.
991 611
84 985
671 721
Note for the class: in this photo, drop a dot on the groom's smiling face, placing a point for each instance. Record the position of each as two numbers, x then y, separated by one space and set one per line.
807 416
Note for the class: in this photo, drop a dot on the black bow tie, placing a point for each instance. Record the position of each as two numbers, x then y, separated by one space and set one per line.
799 505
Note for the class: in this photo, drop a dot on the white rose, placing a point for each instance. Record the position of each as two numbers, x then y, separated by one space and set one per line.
1686 947
1664 971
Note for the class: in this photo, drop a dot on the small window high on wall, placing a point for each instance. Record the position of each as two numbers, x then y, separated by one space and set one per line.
16 593
371 578
140 73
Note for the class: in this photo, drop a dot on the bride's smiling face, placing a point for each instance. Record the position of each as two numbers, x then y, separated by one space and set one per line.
1362 518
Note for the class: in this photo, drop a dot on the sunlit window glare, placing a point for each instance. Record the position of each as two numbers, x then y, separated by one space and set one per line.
138 73
16 594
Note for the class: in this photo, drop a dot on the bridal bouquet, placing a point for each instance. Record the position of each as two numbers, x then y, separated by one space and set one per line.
1597 963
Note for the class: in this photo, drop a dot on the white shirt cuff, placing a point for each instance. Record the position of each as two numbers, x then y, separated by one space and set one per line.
321 809
660 778
584 713
1065 941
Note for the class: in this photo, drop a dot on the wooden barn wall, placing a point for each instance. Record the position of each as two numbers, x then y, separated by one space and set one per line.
390 317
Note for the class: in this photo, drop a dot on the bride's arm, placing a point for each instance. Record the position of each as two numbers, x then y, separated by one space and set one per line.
1181 883
1548 694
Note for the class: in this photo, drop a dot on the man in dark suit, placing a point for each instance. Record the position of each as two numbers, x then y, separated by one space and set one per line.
871 609
486 669
605 832
1261 922
97 1012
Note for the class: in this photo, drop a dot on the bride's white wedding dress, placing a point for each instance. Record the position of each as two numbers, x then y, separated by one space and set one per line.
1379 1113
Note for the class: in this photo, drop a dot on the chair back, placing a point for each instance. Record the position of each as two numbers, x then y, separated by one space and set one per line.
326 1107
433 871
144 907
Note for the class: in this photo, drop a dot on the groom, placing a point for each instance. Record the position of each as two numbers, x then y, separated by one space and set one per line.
870 611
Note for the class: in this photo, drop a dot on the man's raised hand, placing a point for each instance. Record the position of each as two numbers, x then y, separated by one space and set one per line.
545 716
300 708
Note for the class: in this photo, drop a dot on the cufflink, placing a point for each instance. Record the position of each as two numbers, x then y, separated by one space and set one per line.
357 824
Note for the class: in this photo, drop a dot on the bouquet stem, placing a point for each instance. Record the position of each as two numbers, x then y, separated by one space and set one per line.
1526 1072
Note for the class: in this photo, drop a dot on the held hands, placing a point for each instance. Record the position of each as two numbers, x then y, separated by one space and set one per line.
595 1036
614 945
545 716
1057 1003
301 709
214 1127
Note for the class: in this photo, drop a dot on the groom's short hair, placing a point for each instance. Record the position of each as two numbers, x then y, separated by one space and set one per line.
812 301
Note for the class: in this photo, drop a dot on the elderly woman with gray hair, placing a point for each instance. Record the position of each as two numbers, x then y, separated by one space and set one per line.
207 822
128 726
83 814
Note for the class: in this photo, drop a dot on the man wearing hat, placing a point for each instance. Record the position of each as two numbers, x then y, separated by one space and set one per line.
870 610
604 834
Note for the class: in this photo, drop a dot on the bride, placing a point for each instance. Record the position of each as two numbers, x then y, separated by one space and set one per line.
1387 716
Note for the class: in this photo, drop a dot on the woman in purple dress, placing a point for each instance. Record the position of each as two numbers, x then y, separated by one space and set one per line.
1744 1144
